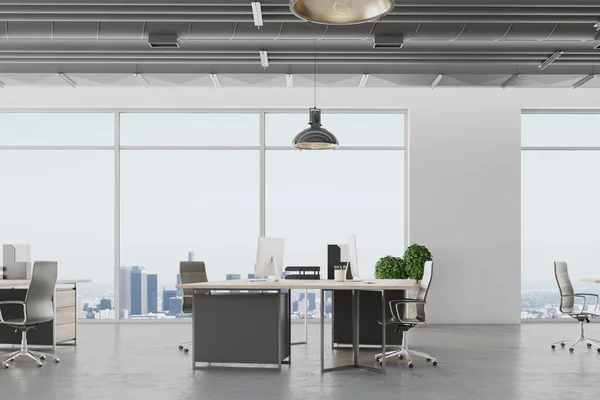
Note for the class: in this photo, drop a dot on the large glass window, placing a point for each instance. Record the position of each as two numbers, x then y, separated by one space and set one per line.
189 186
57 129
560 213
61 203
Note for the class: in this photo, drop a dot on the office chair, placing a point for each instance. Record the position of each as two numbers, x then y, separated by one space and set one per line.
403 323
37 308
190 272
567 306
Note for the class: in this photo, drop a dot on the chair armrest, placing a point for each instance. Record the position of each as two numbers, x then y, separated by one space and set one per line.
13 302
584 295
395 303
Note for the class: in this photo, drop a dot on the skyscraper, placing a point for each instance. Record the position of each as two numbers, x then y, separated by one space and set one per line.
105 304
190 256
312 303
152 290
125 289
175 305
179 291
139 297
167 295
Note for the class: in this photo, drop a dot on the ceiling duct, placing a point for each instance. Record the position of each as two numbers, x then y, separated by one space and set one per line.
388 42
163 40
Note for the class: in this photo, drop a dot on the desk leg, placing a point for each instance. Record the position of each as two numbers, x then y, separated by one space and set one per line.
54 320
383 329
322 322
355 338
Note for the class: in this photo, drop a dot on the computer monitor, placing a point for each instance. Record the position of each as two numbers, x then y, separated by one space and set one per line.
269 257
353 256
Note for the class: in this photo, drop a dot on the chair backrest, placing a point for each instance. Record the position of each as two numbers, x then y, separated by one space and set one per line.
567 298
38 300
191 272
424 289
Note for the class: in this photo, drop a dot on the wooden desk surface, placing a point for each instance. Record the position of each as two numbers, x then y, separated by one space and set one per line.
328 284
590 280
7 283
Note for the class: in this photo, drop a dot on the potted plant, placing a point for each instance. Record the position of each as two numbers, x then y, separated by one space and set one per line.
415 257
339 273
390 267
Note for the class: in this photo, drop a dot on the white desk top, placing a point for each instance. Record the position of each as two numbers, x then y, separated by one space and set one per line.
329 284
590 280
4 283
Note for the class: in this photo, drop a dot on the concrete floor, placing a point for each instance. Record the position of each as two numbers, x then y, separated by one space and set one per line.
133 361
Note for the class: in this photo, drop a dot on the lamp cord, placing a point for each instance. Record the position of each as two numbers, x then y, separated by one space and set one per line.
315 71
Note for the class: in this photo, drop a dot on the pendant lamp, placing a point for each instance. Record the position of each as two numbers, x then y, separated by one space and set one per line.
341 12
315 137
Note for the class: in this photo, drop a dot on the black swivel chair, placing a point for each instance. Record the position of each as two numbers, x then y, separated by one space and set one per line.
403 321
190 272
37 308
567 306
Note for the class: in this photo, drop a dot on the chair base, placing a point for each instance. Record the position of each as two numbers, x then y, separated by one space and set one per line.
185 346
24 352
404 353
582 339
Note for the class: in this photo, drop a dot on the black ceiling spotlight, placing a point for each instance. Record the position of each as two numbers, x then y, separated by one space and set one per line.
388 41
163 40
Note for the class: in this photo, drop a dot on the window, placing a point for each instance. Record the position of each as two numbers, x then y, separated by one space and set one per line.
316 198
61 203
188 185
560 213
56 129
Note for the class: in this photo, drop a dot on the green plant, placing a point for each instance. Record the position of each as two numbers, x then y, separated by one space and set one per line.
390 267
415 257
339 267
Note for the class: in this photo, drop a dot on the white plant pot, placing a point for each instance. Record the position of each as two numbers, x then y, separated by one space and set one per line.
340 275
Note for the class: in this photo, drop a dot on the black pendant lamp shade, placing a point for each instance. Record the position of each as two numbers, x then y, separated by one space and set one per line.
315 137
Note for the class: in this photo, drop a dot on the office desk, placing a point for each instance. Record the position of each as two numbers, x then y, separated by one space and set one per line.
590 280
61 330
323 285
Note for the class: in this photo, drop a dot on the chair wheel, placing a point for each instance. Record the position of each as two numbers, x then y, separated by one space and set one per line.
186 351
434 363
400 357
5 365
562 345
56 360
42 357
598 350
428 359
410 365
39 364
180 347
571 349
589 345
553 347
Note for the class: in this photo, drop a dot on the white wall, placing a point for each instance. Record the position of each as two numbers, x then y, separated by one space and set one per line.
464 171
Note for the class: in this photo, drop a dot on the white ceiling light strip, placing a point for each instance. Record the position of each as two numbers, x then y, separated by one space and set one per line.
264 58
550 60
363 80
510 81
437 81
68 80
257 14
584 81
142 80
215 80
289 80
